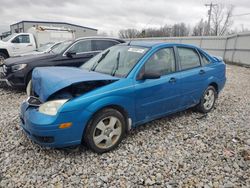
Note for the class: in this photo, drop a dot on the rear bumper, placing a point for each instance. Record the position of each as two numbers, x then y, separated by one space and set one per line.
44 129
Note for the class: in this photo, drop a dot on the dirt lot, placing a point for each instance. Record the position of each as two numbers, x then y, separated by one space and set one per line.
185 150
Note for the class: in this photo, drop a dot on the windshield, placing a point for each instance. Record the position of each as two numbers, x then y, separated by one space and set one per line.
8 37
117 61
45 47
61 47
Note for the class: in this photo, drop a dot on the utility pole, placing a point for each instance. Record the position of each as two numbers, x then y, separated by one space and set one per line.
211 5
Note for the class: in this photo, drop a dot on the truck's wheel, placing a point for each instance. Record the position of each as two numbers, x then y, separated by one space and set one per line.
2 57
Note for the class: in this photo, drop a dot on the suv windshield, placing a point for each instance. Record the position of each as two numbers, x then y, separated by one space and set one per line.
117 61
61 47
45 47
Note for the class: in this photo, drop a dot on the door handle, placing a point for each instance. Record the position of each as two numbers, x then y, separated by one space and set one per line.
29 45
202 71
172 80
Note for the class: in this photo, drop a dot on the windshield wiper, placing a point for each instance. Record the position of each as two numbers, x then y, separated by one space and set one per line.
99 60
117 64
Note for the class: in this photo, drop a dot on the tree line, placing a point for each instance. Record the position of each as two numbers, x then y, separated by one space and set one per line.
221 22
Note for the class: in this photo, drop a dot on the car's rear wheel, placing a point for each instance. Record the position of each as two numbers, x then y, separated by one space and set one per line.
208 100
105 131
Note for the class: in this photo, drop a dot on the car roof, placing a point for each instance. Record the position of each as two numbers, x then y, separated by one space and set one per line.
150 44
100 37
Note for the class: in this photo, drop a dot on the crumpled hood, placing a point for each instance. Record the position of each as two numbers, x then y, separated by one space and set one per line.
28 59
48 80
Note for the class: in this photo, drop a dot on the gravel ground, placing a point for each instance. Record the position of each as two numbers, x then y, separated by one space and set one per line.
187 149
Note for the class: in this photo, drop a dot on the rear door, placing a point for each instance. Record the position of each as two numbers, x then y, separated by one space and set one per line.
77 54
192 76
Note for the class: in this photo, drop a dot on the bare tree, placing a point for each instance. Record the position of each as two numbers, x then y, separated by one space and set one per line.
200 28
221 19
180 30
164 31
128 33
103 34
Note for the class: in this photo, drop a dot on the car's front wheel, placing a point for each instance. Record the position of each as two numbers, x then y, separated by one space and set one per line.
208 100
105 131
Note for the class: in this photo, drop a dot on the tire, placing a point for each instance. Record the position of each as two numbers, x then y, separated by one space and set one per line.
105 131
207 100
2 57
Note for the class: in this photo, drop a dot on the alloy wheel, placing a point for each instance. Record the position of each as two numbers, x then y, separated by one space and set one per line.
209 99
107 132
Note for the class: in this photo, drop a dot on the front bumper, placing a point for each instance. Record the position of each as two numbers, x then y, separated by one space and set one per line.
3 77
15 79
44 129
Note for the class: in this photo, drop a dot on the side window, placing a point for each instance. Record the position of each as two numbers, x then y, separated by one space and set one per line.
188 58
162 61
99 45
21 39
81 46
204 59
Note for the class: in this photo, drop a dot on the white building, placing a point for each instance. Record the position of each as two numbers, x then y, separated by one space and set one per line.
80 31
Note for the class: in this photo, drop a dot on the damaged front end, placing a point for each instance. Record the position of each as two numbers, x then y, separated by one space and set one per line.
78 89
55 83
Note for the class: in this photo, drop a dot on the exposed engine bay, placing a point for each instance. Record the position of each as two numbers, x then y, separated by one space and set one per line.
78 89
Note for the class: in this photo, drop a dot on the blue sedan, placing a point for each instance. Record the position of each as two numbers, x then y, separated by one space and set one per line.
121 88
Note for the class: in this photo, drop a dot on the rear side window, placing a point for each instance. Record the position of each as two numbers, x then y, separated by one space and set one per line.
204 59
81 47
99 45
21 39
188 58
162 61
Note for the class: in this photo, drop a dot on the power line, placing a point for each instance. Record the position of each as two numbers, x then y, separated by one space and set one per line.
245 14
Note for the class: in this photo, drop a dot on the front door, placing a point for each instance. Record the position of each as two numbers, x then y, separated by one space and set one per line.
80 52
22 44
157 97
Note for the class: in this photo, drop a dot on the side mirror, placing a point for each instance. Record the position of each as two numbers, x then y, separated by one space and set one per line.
149 75
70 54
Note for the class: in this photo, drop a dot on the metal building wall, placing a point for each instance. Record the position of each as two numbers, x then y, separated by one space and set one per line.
79 31
233 48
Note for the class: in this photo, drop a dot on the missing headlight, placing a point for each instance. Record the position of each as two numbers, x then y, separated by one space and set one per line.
33 101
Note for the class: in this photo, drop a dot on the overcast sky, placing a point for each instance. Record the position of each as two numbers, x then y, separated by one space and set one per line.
112 15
